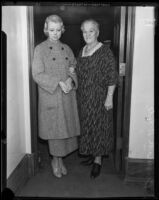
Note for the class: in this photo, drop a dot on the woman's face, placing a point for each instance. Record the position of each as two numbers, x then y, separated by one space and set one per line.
90 32
54 31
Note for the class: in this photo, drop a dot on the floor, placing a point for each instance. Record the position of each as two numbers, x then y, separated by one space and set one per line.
77 182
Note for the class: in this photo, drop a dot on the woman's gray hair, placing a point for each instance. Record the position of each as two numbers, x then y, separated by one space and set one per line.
53 18
95 23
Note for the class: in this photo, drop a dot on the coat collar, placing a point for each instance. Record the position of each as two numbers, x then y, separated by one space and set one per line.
53 44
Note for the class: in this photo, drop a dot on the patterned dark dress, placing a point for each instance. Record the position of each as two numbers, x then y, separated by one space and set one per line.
95 73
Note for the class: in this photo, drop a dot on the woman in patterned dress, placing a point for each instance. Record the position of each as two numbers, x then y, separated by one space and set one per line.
97 78
53 70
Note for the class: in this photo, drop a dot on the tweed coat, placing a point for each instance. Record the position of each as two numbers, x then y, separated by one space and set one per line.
57 111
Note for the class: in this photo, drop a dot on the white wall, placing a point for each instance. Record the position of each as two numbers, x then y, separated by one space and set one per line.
141 139
14 24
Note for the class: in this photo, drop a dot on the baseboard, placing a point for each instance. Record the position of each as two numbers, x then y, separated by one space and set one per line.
21 173
139 171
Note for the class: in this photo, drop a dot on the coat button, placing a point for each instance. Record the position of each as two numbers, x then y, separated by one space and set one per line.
62 48
66 58
50 47
54 58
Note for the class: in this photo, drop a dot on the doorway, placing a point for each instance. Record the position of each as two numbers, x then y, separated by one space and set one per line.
113 30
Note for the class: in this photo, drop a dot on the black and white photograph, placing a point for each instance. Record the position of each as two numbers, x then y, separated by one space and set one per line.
78 101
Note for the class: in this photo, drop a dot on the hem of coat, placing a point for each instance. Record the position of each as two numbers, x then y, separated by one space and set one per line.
64 155
58 138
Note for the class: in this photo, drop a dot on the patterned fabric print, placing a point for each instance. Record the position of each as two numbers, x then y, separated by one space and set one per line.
95 73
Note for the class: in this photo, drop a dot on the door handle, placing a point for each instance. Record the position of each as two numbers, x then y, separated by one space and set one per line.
122 69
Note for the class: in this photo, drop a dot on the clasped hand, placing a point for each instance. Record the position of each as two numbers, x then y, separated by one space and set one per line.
66 86
72 70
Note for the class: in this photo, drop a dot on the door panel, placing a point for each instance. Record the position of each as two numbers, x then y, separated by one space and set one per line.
119 51
129 34
124 55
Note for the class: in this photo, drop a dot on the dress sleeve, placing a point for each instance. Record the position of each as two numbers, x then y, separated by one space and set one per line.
110 75
44 80
72 67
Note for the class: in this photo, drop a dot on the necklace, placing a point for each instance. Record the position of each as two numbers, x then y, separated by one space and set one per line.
92 50
89 48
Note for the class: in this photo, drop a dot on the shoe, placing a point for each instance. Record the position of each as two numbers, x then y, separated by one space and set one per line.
95 172
63 168
89 161
56 169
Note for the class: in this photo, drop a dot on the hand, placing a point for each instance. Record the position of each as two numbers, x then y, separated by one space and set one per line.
109 102
64 87
72 70
68 83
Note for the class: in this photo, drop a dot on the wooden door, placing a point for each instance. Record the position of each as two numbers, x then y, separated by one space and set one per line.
123 49
119 51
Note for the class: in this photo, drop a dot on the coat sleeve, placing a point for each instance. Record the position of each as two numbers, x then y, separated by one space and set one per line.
44 80
72 66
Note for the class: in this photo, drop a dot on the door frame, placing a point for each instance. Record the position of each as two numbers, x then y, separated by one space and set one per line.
124 29
33 92
128 83
127 88
119 52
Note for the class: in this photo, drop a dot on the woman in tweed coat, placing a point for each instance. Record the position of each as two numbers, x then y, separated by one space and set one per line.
53 70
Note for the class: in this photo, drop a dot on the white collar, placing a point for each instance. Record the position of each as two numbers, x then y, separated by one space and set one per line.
92 51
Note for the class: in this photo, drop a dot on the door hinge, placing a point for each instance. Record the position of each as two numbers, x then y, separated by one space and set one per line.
122 69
